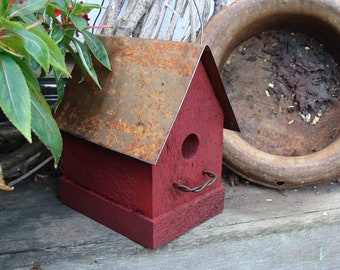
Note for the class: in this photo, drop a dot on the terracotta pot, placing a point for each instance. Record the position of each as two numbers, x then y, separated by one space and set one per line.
243 19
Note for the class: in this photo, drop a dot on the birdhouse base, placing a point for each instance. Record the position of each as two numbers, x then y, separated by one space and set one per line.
151 233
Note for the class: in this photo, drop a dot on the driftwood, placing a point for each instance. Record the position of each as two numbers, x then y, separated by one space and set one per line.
10 138
133 14
110 16
158 19
20 156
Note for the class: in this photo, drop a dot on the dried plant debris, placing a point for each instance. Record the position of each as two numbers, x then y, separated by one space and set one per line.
303 72
3 185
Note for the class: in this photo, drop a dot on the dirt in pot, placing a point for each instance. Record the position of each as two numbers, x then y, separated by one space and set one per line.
285 91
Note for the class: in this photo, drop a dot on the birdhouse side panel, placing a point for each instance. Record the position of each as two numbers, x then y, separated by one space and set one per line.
120 178
194 145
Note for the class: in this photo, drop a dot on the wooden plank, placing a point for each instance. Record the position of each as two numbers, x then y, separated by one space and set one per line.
259 229
306 249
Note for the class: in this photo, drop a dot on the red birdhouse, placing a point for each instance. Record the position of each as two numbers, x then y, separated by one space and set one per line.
143 155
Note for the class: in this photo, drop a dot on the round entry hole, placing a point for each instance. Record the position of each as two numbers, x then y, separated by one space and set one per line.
190 146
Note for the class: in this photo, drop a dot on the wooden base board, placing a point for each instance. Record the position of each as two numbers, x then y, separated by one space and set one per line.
151 233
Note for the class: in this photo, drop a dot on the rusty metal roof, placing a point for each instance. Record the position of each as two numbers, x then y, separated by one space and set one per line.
134 111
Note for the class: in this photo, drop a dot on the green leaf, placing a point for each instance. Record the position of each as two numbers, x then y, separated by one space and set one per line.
57 33
84 8
44 125
78 62
57 59
79 22
58 4
30 77
14 46
3 7
36 47
10 24
30 19
60 83
86 60
97 48
21 8
61 66
15 96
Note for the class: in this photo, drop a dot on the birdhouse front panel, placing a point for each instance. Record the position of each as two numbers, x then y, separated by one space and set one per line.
193 147
143 155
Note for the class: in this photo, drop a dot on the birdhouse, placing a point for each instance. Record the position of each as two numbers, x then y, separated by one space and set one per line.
143 155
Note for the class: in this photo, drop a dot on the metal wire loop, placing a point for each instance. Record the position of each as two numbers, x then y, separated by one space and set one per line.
199 188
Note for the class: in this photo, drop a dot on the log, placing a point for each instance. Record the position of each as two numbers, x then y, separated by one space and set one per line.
22 159
133 14
110 17
146 18
10 138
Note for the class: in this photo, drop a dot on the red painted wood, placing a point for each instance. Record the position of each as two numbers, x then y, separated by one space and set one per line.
151 233
119 177
201 115
131 196
113 215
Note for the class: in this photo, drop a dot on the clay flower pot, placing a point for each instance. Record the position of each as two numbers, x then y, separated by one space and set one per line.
244 19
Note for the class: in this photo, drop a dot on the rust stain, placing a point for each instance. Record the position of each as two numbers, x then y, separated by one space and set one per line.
139 100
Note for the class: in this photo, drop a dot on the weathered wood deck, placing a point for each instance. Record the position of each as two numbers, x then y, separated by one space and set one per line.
259 229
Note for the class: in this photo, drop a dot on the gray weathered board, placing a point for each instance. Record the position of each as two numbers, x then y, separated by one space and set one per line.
259 229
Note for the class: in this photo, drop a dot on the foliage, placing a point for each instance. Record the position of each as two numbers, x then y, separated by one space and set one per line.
35 36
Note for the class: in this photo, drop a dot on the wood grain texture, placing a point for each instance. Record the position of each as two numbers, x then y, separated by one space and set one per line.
259 228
